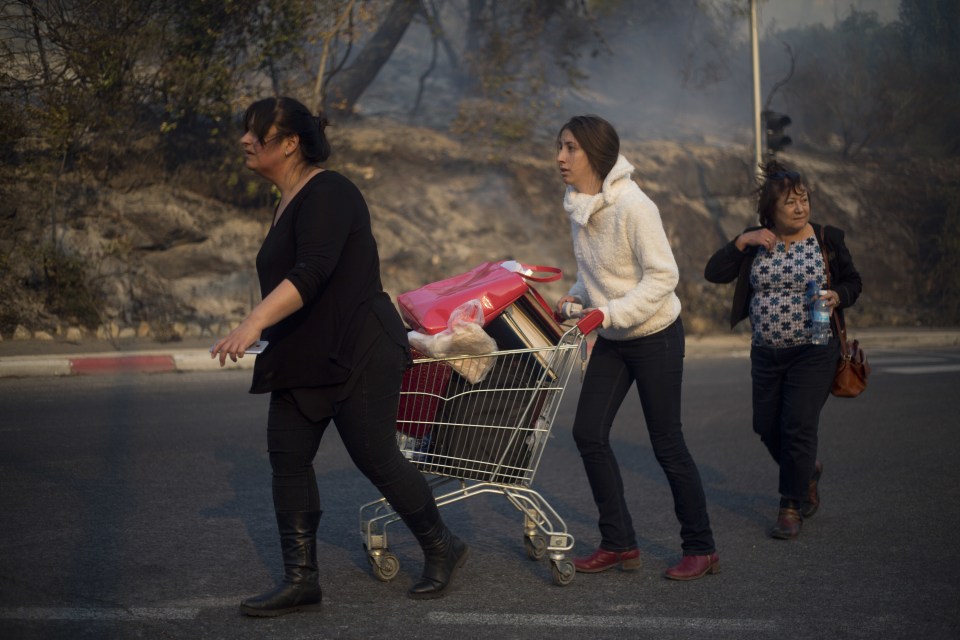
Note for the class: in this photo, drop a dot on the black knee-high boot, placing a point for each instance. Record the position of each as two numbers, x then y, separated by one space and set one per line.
300 588
443 552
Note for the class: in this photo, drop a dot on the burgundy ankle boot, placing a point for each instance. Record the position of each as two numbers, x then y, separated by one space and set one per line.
693 567
601 560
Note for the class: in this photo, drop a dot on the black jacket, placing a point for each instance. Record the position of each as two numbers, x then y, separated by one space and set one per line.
729 263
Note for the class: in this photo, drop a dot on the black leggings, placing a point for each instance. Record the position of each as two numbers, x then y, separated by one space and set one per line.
366 421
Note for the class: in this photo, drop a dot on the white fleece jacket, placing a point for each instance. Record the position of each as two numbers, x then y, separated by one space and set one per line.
625 266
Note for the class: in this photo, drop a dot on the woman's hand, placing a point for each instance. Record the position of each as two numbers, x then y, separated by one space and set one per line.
235 342
281 302
832 298
757 238
564 300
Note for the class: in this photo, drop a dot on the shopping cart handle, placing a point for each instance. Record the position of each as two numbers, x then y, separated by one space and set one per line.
590 321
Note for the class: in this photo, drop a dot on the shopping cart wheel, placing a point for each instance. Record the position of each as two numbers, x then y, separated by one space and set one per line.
536 546
563 572
385 565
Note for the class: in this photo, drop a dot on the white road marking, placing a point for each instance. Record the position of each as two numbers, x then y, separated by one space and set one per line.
886 361
605 622
934 368
131 614
441 618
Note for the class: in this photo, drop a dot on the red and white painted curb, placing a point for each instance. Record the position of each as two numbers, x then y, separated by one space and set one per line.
116 364
90 365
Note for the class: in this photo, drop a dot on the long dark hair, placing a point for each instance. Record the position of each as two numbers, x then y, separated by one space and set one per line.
290 117
597 138
776 180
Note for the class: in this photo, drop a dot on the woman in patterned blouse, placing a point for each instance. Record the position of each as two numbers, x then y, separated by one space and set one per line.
773 265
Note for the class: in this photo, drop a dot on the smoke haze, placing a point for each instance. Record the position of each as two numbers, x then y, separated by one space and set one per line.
657 81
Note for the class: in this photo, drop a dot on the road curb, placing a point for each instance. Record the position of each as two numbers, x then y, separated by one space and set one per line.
100 364
198 359
123 364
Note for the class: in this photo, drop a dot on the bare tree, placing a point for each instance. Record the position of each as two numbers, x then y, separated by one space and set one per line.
341 18
347 87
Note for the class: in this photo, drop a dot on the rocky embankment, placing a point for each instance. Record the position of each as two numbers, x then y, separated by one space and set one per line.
167 264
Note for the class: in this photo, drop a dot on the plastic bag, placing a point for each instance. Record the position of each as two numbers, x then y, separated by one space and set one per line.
464 336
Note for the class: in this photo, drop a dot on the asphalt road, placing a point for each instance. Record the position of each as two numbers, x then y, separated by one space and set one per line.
138 506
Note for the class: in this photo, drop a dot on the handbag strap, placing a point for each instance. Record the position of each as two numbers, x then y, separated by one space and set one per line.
841 331
529 271
823 250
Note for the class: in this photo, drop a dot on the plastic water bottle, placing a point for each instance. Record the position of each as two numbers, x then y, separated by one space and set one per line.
820 329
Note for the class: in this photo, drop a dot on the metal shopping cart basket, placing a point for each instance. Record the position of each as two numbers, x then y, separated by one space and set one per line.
484 437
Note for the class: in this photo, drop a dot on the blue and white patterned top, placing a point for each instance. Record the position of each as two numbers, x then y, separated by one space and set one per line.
779 308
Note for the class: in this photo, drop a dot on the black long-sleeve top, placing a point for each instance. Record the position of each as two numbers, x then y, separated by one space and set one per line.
729 263
324 245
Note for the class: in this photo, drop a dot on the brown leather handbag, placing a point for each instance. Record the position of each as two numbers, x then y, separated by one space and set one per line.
850 379
852 369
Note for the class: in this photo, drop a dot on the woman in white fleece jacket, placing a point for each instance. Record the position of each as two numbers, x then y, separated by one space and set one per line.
626 269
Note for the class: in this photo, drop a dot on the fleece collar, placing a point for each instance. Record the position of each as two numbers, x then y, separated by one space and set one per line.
581 206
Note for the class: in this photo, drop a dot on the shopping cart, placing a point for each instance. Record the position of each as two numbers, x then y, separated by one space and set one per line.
484 437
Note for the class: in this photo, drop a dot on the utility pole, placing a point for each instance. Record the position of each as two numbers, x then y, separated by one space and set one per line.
755 46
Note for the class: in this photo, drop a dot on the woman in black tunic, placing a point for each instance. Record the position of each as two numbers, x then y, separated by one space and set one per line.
337 351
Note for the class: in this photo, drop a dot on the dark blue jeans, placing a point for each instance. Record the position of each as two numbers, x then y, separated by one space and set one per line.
366 421
790 387
655 364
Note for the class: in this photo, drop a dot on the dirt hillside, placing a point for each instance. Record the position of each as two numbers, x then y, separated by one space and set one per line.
169 263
